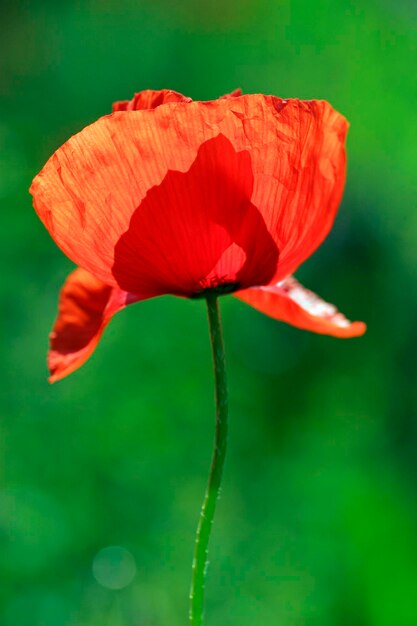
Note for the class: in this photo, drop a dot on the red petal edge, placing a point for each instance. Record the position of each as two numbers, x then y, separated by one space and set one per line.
152 98
149 99
290 302
86 305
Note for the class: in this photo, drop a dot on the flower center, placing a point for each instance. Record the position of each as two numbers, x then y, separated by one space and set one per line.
218 286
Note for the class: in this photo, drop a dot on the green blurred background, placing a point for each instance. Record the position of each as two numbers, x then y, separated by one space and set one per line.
317 525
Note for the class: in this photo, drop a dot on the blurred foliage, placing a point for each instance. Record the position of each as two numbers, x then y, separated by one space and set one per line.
317 523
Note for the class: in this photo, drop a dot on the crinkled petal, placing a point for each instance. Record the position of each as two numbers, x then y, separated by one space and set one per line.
149 99
290 302
86 305
91 188
152 98
236 93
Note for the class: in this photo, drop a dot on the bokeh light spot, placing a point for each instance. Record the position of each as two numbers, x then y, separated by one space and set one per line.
114 567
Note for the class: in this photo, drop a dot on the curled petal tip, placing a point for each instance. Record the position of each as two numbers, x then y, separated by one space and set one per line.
86 305
290 302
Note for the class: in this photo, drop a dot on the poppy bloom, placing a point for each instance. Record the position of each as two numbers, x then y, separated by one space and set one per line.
172 196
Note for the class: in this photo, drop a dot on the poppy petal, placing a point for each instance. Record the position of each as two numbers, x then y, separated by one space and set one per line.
89 190
290 302
305 192
86 305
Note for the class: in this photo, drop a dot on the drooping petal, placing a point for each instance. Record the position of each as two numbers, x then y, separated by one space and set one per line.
290 302
89 191
85 307
149 99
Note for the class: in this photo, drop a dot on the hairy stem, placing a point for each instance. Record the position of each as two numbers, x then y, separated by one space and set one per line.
216 470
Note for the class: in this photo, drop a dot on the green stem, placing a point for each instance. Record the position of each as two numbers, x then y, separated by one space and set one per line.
216 470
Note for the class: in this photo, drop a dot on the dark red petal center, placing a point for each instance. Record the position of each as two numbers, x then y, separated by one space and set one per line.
198 230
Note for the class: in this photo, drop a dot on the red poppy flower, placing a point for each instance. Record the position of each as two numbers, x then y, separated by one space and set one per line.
172 196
